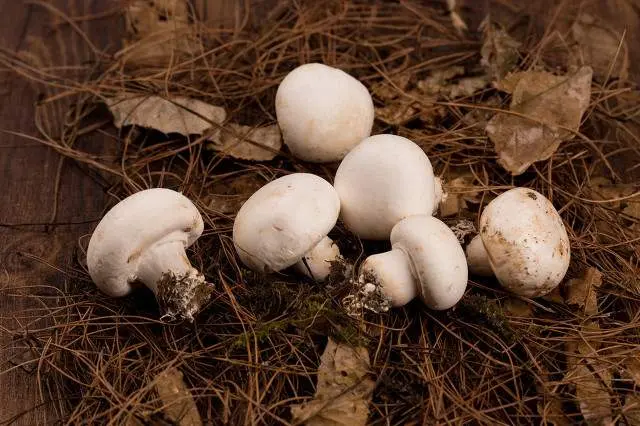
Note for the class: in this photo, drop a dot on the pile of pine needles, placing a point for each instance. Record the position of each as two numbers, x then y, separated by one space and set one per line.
253 351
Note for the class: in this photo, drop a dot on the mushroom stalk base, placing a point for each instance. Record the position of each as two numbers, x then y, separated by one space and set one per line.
179 288
317 262
478 258
181 296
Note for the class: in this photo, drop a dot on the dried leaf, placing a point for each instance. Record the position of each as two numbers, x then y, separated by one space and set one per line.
387 90
582 291
460 191
591 377
248 143
551 104
343 391
439 83
599 46
592 392
177 115
499 52
177 402
157 32
397 112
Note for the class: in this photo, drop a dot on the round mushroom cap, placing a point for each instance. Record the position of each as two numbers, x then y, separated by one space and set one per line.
284 220
323 112
133 225
526 242
380 182
437 259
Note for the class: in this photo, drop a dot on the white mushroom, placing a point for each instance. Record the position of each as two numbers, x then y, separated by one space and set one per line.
285 223
143 239
426 260
323 112
523 241
381 181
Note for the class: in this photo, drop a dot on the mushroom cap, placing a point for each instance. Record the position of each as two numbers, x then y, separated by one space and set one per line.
437 260
133 225
323 112
526 242
284 220
381 181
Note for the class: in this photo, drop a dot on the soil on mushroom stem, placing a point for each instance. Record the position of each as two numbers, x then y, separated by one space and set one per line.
254 349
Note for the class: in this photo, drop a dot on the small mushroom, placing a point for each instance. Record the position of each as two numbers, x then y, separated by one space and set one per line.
143 239
323 112
384 179
426 260
523 241
285 223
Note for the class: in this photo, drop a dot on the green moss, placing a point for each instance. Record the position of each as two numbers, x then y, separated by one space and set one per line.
481 310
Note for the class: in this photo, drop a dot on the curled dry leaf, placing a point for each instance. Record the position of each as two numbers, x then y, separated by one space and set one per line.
248 143
177 402
440 84
582 291
157 32
500 52
176 115
387 90
460 192
600 47
343 391
549 109
591 376
518 308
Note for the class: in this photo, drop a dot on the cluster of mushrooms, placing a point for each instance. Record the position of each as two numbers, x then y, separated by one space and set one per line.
384 189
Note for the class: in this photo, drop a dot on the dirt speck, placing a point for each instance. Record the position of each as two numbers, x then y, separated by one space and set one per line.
532 195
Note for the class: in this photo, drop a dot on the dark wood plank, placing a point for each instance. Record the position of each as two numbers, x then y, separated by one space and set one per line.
28 172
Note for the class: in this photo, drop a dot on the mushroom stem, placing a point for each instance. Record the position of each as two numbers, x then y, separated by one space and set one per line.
439 196
179 287
392 272
317 262
478 258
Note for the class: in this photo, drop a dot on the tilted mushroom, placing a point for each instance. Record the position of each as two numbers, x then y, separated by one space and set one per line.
522 241
426 260
384 179
285 223
143 239
323 112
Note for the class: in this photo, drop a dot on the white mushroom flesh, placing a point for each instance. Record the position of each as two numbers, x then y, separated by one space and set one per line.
284 220
380 182
323 112
478 259
526 242
317 263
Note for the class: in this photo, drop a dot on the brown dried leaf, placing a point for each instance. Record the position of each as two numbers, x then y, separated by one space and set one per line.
388 90
582 291
592 392
157 32
343 391
177 115
555 296
439 83
397 112
499 52
551 104
248 143
177 402
460 191
599 46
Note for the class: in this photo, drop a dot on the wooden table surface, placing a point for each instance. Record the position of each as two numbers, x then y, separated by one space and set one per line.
30 190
